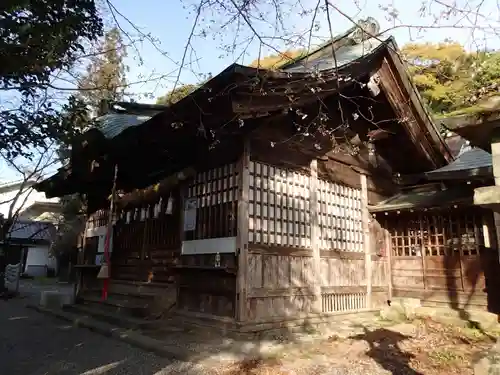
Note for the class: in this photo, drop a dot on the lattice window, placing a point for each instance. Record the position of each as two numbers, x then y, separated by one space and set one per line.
436 234
278 206
340 217
216 192
98 219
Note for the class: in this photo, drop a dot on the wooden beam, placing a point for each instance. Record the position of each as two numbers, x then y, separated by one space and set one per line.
153 192
242 233
293 292
367 243
315 240
401 103
388 246
429 127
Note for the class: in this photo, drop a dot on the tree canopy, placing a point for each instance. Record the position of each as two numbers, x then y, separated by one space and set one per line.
39 40
275 61
450 79
105 75
177 94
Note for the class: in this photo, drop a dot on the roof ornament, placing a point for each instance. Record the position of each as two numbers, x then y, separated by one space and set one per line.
365 30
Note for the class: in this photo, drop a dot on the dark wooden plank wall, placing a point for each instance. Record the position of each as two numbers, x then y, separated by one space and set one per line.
204 286
146 243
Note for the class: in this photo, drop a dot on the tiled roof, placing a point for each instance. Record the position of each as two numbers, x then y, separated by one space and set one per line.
114 123
352 47
343 56
471 160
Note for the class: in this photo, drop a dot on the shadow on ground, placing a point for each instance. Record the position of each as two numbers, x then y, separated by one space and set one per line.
385 350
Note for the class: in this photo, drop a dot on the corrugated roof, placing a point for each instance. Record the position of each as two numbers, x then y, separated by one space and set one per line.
113 124
425 198
32 230
471 160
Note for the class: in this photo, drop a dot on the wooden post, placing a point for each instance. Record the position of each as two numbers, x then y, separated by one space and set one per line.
388 244
242 233
315 240
367 244
183 194
79 261
422 251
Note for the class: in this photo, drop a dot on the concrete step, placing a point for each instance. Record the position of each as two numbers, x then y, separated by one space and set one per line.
118 319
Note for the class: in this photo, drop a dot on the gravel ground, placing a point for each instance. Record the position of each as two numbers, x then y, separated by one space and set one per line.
35 344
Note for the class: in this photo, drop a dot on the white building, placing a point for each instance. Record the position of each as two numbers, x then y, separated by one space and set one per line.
35 228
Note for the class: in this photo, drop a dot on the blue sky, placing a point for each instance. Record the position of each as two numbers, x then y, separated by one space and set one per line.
169 22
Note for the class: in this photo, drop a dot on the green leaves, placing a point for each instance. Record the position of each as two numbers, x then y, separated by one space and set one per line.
451 79
177 94
105 76
37 39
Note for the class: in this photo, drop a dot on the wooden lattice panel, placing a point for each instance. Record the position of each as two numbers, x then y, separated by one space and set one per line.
438 234
216 192
98 219
340 217
343 302
279 206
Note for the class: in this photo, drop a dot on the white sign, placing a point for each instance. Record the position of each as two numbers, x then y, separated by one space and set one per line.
190 207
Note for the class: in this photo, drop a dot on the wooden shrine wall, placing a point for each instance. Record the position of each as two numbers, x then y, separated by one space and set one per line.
445 257
207 282
281 272
98 219
146 241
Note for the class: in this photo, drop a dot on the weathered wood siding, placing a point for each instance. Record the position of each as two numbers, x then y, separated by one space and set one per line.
281 271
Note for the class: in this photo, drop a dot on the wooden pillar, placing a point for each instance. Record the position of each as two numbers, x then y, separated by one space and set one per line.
366 242
388 245
242 234
315 234
183 194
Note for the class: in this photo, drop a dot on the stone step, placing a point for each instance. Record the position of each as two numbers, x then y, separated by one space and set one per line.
139 289
110 317
119 304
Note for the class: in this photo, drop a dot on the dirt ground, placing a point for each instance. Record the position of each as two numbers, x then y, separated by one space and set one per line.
422 346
